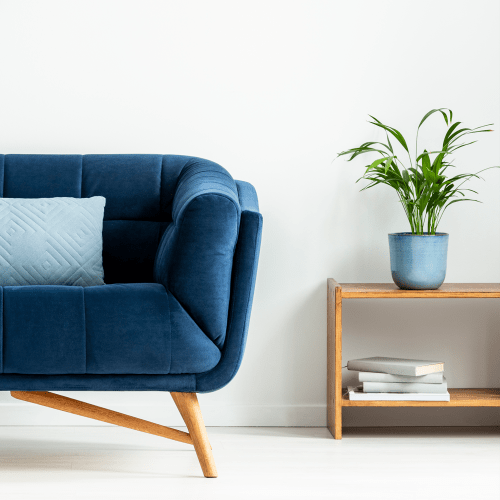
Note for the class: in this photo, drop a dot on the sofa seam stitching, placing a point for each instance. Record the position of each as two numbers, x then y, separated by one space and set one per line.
207 192
205 169
192 319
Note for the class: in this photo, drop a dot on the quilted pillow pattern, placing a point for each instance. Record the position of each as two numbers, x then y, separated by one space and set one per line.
51 241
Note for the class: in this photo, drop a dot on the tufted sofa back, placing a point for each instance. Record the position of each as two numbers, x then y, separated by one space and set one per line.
139 191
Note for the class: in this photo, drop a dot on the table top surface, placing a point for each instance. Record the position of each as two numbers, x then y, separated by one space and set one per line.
390 290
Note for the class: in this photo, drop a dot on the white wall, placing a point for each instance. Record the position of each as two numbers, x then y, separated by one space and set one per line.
272 90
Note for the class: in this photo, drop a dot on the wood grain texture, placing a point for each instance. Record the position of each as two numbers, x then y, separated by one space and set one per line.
337 292
330 354
334 358
76 407
458 397
182 409
446 291
189 408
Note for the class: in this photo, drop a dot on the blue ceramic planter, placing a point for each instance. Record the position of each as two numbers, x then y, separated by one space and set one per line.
418 262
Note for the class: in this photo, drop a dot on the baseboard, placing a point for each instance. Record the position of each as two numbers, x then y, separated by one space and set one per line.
20 413
223 416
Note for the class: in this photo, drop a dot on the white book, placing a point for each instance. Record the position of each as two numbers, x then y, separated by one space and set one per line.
432 378
405 387
397 366
355 394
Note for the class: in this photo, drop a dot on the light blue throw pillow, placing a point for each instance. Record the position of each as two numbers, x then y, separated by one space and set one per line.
51 241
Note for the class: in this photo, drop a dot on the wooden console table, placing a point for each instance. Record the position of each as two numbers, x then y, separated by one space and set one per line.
337 396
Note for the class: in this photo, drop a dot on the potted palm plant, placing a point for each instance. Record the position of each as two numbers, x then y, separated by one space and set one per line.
418 258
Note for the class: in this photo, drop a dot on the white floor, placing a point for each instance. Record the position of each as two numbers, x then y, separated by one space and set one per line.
282 463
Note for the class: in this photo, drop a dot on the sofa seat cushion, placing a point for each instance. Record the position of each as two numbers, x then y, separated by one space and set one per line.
135 328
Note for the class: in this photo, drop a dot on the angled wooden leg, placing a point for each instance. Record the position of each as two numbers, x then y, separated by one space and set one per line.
187 403
189 408
183 411
97 413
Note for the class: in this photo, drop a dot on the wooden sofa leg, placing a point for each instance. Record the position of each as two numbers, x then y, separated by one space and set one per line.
76 407
189 408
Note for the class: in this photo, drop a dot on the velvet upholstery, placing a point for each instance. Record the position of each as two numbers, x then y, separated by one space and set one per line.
42 176
205 209
243 285
43 329
128 329
131 185
180 248
113 329
178 383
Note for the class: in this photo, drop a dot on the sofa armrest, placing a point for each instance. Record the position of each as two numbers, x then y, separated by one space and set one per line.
247 196
195 257
246 258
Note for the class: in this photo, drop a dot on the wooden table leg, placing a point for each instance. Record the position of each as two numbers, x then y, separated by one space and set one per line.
334 361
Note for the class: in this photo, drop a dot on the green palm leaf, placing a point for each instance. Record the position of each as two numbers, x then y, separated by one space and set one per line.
423 188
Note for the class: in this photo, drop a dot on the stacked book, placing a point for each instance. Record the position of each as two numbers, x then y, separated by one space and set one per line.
396 379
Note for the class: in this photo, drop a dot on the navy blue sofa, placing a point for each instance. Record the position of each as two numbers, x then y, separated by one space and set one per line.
181 242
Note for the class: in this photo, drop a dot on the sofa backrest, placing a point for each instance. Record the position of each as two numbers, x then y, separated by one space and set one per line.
139 191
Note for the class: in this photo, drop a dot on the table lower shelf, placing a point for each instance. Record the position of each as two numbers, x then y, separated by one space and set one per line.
458 397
